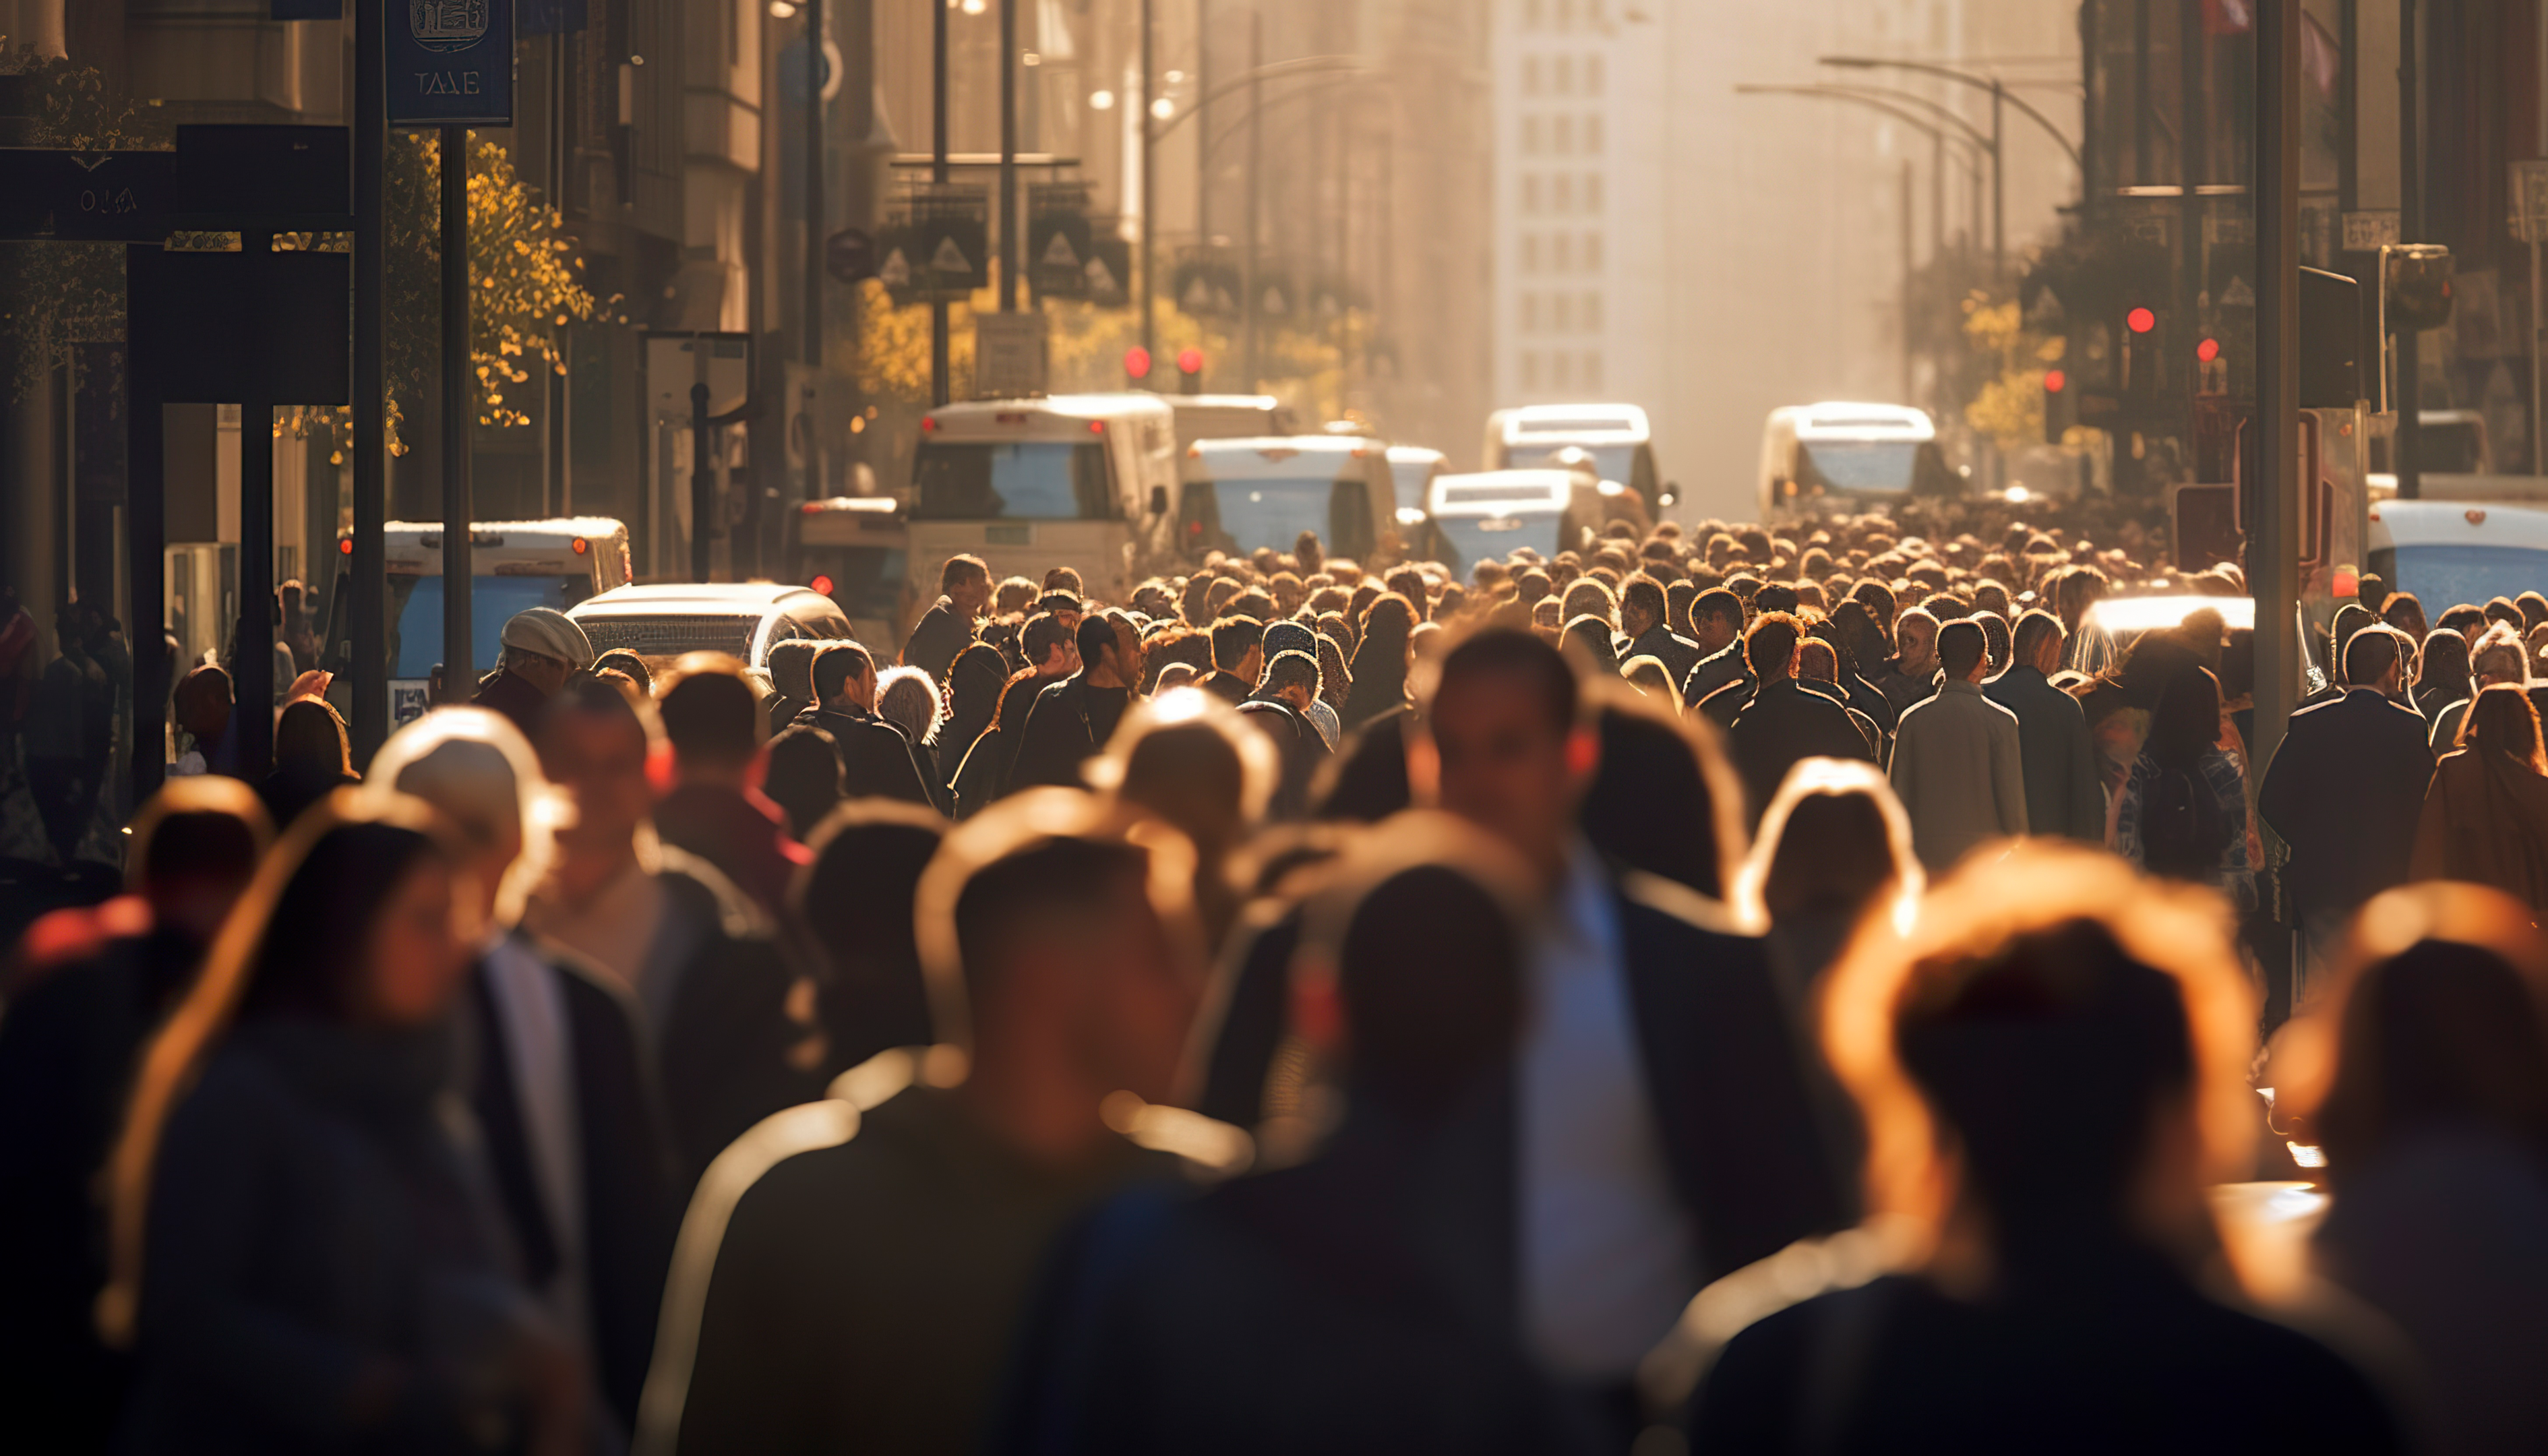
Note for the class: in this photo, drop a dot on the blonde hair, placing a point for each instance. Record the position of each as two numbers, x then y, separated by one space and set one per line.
476 769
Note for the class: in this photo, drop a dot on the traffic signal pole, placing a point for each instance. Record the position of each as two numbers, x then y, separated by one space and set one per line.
2273 567
458 403
1149 222
2409 445
1009 228
937 174
366 596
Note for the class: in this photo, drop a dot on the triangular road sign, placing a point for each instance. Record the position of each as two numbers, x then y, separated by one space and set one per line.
1058 253
949 258
1198 297
2238 295
1100 279
895 270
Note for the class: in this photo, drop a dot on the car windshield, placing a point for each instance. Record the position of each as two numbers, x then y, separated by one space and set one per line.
415 614
1026 480
1272 513
1857 465
2449 574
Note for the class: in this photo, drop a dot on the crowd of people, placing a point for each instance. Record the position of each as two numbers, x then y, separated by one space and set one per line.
1303 1006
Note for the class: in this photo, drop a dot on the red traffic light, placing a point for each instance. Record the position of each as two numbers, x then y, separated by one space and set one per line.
822 586
2055 381
2141 320
2208 350
1190 360
1136 362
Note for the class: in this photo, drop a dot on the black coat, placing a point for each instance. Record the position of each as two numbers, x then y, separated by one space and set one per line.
1676 653
2344 791
1739 1130
1787 721
876 761
2064 794
1714 671
313 1214
632 1189
1067 726
940 634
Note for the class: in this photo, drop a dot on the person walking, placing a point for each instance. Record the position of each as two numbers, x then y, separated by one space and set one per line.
2057 1299
2344 791
1238 659
542 648
2500 657
947 629
305 1256
2064 795
1381 660
312 759
2485 818
1958 765
1717 631
1645 617
713 811
572 1121
2442 676
877 760
1787 719
1661 1129
1071 721
2182 813
870 1267
1911 677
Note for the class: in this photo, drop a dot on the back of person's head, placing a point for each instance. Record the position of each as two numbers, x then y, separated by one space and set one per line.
192 848
908 698
1015 594
855 903
1428 972
1289 670
1662 799
1506 653
1186 757
1770 645
1963 646
2444 663
710 713
1231 640
2187 721
1587 638
2499 655
2036 627
791 668
802 777
2078 1036
1063 578
1776 597
1816 661
1833 842
2502 719
2369 656
2438 1021
1388 633
1095 636
309 738
2462 618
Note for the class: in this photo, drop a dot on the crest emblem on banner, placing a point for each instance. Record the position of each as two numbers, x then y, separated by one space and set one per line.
446 25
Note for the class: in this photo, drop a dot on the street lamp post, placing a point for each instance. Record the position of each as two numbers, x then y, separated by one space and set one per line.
1149 224
2001 97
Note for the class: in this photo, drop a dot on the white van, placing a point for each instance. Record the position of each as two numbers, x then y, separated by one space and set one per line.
1617 436
1411 469
1083 480
1240 495
2448 552
1492 513
662 620
1846 458
514 565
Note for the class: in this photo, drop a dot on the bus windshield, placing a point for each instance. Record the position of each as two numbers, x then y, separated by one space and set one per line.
415 611
1026 480
1239 516
2448 574
1859 465
1471 538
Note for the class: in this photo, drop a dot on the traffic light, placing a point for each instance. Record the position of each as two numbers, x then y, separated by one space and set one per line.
1137 363
2060 412
1190 370
2145 372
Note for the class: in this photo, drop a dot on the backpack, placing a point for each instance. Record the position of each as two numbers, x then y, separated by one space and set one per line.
2180 825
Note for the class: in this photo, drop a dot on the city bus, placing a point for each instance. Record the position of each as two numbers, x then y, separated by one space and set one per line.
2448 551
1850 458
1240 495
856 550
1616 436
514 565
1083 480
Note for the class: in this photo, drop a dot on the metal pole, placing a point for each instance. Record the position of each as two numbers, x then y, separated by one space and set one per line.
1937 193
1909 267
1999 185
553 489
459 400
1203 123
1149 222
2410 444
367 590
145 539
2090 32
938 360
702 484
1011 248
1255 183
252 670
814 219
2273 565
2536 467
2193 127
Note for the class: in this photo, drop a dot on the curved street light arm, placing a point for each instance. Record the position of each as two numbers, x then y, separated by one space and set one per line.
1979 84
1979 144
1272 72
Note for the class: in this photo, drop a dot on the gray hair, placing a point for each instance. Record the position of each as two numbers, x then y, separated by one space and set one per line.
908 698
2499 655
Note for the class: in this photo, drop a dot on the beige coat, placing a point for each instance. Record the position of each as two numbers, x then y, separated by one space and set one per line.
1959 773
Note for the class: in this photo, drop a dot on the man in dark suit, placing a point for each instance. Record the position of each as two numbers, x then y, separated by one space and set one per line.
1072 719
1661 1131
1788 719
1644 614
1238 659
876 761
2062 792
964 590
1717 623
2344 791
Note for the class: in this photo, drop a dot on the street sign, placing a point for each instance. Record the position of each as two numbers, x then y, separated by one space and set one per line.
1057 235
1108 271
2370 231
2529 200
219 328
87 196
1008 355
948 245
450 63
672 366
849 256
